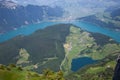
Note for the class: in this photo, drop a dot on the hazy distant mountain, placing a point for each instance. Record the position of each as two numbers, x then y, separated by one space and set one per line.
13 15
109 19
75 8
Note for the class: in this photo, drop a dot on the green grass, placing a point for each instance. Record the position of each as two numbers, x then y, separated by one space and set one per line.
12 73
103 51
75 43
17 73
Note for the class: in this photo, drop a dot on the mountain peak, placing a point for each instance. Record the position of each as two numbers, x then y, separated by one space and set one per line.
8 4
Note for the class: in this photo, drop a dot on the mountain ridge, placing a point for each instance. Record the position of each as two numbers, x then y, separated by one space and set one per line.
13 15
106 19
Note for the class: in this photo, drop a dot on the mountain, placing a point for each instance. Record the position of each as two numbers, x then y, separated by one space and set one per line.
116 14
55 47
13 15
75 8
43 49
108 19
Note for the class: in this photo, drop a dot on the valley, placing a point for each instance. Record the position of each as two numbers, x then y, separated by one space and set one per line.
59 39
55 47
80 44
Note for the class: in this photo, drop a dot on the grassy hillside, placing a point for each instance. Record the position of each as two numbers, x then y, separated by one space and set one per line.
103 70
13 72
81 43
77 41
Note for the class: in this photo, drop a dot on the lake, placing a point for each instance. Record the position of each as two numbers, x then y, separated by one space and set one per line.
80 62
29 29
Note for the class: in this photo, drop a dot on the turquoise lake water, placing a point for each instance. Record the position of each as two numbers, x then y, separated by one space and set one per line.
29 29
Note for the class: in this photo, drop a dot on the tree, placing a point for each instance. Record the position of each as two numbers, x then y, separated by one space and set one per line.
19 68
2 67
12 65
